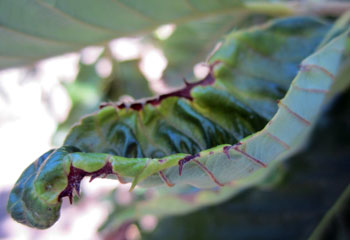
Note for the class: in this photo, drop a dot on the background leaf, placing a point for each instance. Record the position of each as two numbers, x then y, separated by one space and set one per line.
35 29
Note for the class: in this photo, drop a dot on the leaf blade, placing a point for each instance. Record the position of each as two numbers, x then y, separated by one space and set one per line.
65 26
205 168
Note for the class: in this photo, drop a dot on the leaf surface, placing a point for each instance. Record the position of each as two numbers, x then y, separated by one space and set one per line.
177 138
34 29
290 207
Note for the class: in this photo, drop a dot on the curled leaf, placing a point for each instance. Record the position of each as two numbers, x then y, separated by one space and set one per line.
207 134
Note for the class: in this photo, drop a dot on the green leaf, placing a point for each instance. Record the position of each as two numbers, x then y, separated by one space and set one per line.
181 200
34 29
34 212
297 186
176 138
303 187
289 209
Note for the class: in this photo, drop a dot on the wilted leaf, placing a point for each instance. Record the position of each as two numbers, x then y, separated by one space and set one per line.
146 141
291 208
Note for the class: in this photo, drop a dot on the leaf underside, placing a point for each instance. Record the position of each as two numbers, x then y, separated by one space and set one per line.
290 208
31 30
144 142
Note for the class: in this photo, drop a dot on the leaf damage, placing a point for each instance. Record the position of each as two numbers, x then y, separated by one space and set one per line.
184 92
76 175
